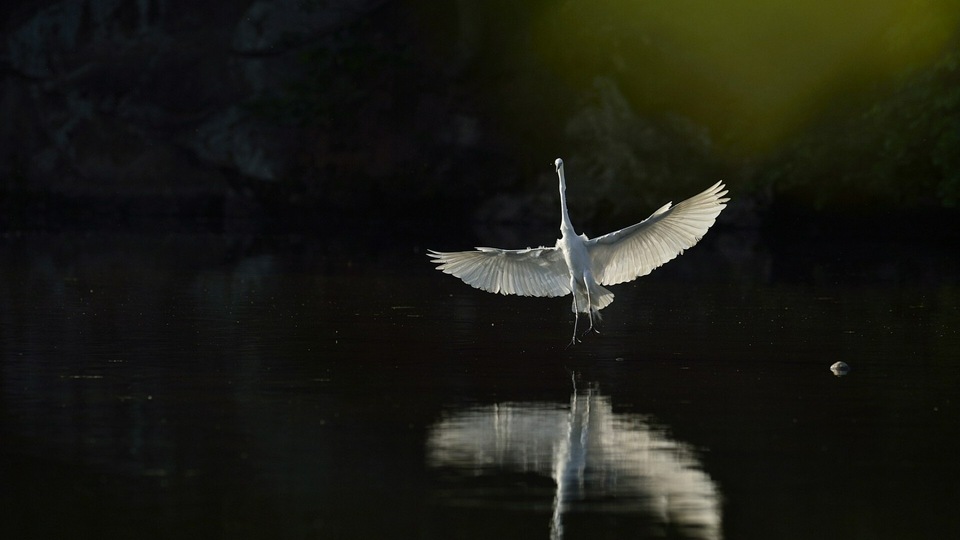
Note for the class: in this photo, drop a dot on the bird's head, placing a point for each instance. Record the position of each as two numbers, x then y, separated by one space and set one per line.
558 163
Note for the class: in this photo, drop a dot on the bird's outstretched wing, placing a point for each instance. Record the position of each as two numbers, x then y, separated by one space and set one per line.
635 251
528 272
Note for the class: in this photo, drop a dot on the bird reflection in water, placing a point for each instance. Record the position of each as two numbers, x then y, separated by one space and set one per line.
599 460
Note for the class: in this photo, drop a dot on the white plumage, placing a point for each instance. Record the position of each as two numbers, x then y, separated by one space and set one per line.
583 265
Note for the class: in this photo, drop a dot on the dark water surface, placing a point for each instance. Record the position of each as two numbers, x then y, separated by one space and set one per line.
232 387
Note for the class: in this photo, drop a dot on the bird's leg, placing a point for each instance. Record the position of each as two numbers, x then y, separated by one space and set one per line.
576 311
592 327
576 319
589 305
574 340
589 308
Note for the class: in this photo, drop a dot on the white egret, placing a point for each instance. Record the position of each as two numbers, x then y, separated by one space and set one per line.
582 265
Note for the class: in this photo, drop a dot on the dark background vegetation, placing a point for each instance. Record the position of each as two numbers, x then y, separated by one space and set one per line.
263 115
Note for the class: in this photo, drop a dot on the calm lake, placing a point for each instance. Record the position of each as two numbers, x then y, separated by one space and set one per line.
210 386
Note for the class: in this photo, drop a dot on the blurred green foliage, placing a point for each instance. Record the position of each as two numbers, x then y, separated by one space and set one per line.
856 104
753 73
899 148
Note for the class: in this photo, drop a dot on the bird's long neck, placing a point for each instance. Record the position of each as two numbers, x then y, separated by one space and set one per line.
565 223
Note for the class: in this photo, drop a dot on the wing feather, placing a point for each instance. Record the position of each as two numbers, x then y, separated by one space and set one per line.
637 250
527 272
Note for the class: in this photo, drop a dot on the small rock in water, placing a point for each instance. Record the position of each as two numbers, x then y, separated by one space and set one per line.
840 369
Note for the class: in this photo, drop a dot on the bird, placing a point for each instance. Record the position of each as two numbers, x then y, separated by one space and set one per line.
583 266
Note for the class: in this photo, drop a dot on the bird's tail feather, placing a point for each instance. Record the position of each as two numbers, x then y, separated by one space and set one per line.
600 297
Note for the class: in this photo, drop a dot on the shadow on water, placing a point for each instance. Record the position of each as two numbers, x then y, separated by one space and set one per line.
205 386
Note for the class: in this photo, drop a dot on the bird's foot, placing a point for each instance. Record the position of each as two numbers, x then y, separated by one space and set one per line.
592 328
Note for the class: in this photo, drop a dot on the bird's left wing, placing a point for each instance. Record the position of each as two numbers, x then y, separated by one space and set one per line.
528 272
635 251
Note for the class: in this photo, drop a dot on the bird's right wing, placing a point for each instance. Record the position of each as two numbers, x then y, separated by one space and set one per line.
635 251
528 272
